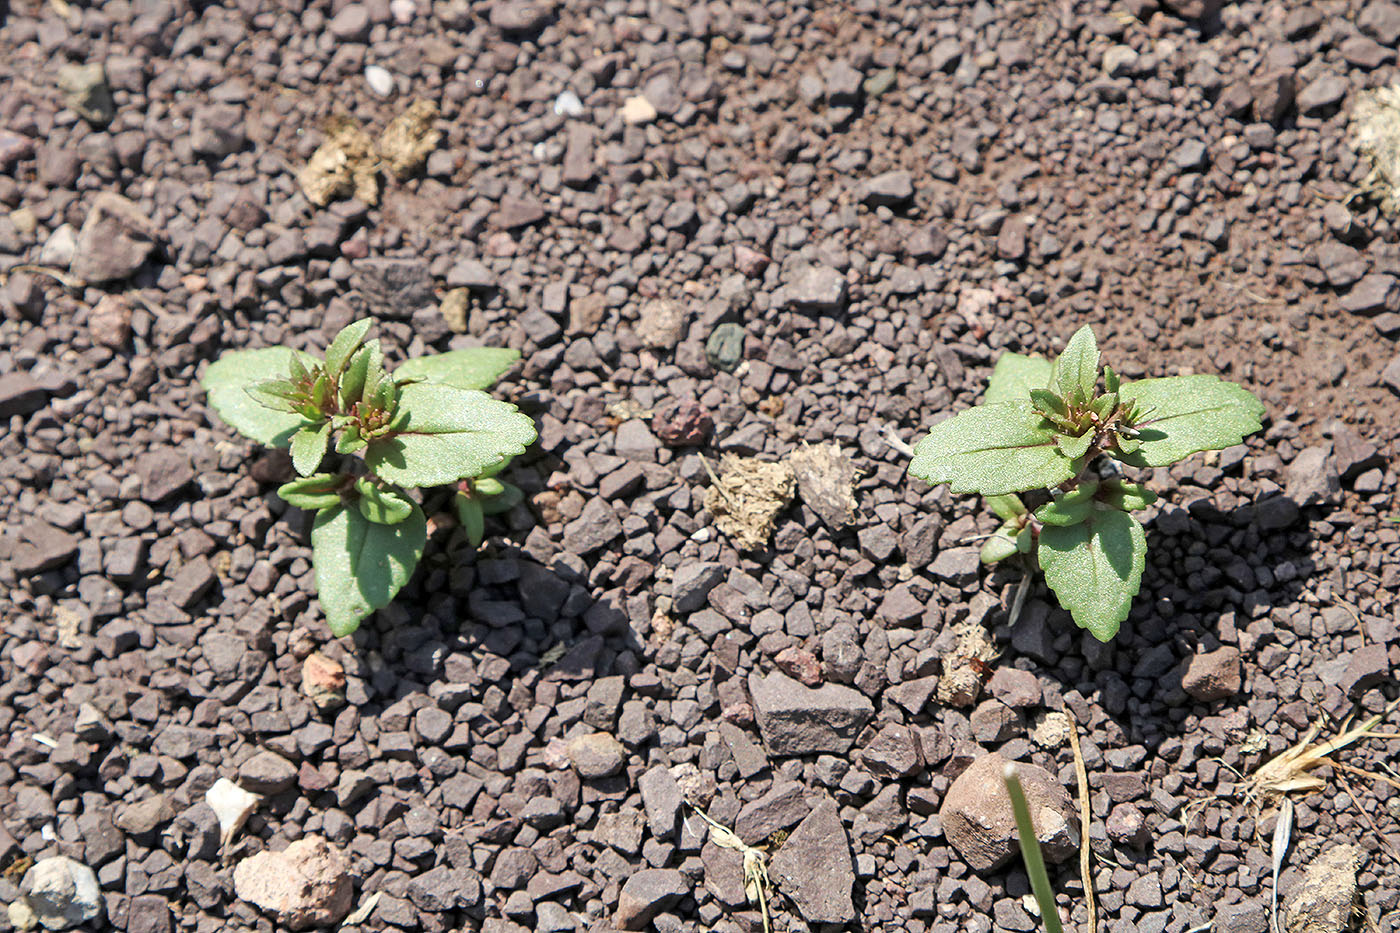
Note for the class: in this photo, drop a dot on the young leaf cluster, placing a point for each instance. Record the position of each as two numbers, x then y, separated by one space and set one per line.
1041 427
426 423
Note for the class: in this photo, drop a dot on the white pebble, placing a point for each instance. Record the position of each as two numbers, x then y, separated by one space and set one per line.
403 11
637 111
232 805
380 80
568 105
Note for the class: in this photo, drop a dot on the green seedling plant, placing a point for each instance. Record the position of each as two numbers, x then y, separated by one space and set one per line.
1048 426
425 423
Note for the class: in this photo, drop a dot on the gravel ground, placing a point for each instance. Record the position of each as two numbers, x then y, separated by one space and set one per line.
711 229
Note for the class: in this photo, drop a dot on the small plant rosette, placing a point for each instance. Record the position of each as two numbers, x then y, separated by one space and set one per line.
425 423
1044 425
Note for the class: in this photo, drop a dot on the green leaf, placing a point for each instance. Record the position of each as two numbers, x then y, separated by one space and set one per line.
993 449
1078 366
309 447
1125 446
321 393
315 492
361 565
1183 415
352 381
1014 377
1007 507
300 371
1110 380
228 378
1060 512
1095 568
509 497
487 486
1075 447
350 440
1121 494
277 394
999 546
375 373
382 506
345 343
494 470
472 368
450 434
1009 539
473 522
1049 404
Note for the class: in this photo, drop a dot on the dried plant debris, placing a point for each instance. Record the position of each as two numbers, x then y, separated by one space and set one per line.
965 667
344 166
826 480
747 497
1375 133
347 163
1291 771
1326 899
454 307
409 139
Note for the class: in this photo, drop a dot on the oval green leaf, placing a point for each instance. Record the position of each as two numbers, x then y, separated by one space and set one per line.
470 368
1077 369
309 447
1014 377
229 377
508 498
360 565
312 492
345 343
993 449
382 506
1095 568
449 434
473 521
1121 494
1183 415
1006 507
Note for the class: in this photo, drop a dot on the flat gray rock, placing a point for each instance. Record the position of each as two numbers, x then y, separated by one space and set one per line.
814 867
798 720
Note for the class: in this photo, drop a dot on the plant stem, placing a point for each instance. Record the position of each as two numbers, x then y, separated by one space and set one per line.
1030 851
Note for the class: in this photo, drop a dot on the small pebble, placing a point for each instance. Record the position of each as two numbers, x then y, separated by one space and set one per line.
380 80
638 111
567 104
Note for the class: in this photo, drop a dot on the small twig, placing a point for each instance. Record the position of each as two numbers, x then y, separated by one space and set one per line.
893 440
716 484
1081 778
62 278
1364 773
1019 600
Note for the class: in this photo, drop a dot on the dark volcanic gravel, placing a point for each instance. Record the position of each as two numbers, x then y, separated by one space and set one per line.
710 229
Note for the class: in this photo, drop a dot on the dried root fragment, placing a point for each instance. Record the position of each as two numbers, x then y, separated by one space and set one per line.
344 166
747 496
409 139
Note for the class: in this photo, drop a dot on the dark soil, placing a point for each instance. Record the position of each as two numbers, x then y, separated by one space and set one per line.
1199 220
